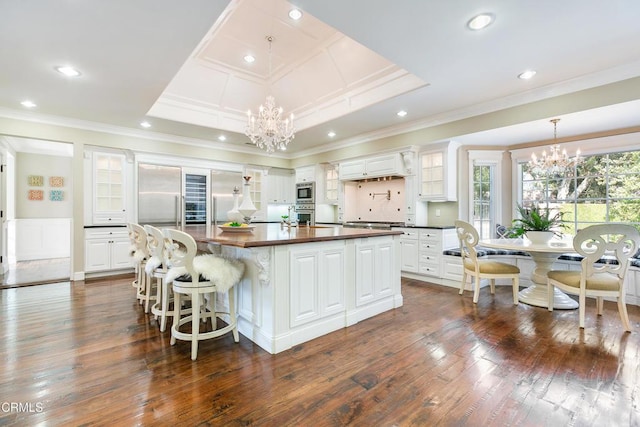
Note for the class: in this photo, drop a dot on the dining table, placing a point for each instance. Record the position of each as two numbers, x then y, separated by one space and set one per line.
544 255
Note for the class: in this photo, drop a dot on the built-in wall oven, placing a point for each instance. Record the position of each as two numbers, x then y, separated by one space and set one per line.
306 214
306 202
306 193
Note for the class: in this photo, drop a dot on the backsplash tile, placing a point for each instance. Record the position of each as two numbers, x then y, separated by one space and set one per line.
371 203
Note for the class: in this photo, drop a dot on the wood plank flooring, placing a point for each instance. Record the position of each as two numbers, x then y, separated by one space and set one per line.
86 354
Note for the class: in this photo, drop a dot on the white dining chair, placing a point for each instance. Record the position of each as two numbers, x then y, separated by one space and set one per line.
606 249
156 270
479 269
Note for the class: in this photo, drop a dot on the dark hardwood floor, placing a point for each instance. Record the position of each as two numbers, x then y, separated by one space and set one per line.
86 354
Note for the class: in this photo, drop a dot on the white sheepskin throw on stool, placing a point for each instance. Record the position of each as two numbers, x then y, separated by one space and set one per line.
222 272
153 263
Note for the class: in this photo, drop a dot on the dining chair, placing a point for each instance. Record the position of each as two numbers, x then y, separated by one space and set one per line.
201 277
479 269
606 249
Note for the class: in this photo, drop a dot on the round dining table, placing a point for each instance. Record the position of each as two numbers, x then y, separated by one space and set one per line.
543 256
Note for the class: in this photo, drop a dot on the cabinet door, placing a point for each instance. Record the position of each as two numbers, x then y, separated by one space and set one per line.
280 189
409 255
383 165
365 273
352 170
109 189
119 255
258 195
97 255
432 185
384 268
303 285
306 174
332 285
331 183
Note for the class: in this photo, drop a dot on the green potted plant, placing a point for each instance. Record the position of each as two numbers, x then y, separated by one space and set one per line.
537 224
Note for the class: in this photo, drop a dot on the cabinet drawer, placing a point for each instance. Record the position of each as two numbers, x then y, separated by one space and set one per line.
426 257
430 235
429 246
409 233
106 233
430 269
109 218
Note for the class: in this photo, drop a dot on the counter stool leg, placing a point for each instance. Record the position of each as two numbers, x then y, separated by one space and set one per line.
232 314
176 316
195 324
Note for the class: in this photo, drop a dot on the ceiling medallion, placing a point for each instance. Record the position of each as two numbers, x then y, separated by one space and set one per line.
556 163
267 130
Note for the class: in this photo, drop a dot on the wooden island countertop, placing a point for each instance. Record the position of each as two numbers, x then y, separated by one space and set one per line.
273 234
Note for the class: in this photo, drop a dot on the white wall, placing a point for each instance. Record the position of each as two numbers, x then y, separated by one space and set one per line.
46 166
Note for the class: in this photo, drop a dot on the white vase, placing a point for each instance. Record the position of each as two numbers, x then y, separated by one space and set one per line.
234 214
539 237
247 208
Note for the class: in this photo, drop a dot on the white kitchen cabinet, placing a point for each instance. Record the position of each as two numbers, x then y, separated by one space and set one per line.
280 188
372 167
317 284
107 249
431 243
331 184
374 269
409 250
306 174
257 191
109 189
438 173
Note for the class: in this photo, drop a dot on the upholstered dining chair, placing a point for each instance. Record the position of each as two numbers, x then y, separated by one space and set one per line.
200 277
606 249
479 269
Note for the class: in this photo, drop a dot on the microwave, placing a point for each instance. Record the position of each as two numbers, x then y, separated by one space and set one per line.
305 192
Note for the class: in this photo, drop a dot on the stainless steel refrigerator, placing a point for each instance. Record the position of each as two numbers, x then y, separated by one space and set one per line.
170 195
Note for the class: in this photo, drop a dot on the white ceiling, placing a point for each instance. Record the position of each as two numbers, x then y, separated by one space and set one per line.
345 66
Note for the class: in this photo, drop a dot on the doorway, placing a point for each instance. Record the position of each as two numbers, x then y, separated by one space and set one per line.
37 208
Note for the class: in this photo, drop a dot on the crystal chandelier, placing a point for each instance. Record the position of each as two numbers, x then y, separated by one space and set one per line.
268 130
556 162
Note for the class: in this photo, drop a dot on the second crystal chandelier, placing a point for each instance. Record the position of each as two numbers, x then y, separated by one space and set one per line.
556 162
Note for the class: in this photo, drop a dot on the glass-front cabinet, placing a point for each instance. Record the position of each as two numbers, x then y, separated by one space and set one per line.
108 185
438 178
331 184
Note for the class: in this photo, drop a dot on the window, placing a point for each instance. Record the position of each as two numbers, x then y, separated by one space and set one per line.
602 188
482 207
484 192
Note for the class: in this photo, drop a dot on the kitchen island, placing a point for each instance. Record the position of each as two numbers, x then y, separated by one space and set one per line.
304 282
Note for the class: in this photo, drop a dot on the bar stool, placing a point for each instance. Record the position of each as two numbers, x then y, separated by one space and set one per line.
200 277
157 268
140 254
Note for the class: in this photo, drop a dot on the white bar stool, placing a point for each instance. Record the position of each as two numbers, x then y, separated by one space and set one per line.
200 277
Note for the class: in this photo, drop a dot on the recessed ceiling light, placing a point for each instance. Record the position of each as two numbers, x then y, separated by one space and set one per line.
249 58
145 124
28 104
295 14
222 138
331 134
480 21
526 75
68 71
401 113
